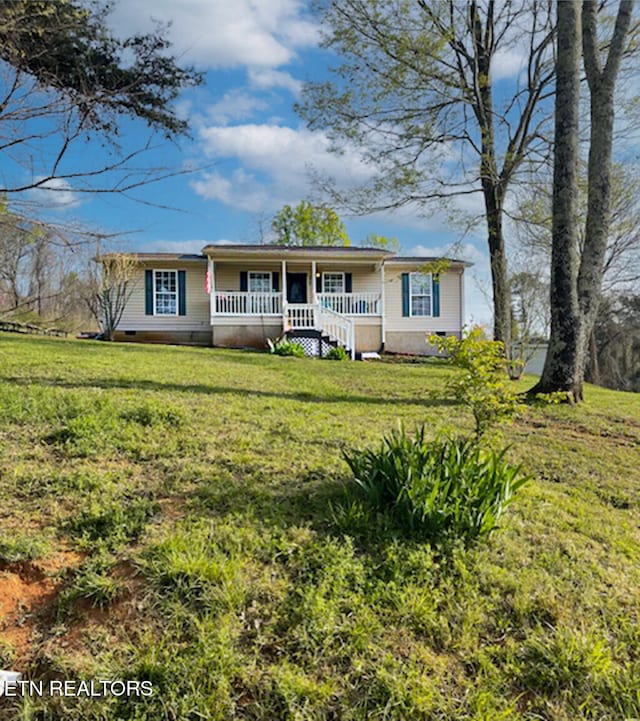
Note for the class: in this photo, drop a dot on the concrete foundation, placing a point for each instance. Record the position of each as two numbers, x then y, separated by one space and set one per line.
245 336
171 337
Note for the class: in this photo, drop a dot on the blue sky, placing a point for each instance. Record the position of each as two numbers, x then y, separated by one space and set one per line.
255 151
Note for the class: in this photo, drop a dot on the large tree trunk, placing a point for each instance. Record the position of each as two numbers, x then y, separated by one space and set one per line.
492 184
499 276
602 83
593 375
563 368
575 292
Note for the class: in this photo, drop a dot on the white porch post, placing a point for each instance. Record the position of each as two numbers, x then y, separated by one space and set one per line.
212 288
382 308
314 300
284 296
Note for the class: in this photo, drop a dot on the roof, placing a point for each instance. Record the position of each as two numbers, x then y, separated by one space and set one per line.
157 256
297 251
294 251
424 259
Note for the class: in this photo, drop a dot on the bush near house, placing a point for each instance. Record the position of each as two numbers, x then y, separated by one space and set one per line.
187 531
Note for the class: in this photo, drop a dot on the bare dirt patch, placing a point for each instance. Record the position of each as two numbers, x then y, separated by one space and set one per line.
28 590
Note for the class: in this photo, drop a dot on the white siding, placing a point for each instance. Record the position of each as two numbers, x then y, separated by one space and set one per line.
449 319
197 317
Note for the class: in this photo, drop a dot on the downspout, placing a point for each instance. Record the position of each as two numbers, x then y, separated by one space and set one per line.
212 296
382 308
462 313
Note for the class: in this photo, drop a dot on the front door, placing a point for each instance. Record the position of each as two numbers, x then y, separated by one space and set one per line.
296 287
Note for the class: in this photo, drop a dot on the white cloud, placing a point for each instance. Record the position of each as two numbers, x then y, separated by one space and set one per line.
56 193
176 246
265 79
223 34
242 190
508 63
275 162
235 105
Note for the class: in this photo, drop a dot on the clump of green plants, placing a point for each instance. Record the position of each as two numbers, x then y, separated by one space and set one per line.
285 347
448 488
153 414
7 654
94 583
482 386
19 547
336 353
112 522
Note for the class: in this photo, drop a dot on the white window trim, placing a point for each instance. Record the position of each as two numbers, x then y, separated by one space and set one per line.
329 272
422 295
262 272
166 315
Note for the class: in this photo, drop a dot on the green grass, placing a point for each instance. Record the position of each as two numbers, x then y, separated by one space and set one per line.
218 475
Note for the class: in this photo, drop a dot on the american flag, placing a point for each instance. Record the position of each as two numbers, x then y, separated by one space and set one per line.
207 282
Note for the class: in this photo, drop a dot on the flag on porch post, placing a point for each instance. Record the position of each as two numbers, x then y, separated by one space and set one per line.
207 282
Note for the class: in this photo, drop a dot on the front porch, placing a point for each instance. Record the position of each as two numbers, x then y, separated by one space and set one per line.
325 295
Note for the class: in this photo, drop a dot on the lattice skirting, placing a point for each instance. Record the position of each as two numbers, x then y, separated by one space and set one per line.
313 346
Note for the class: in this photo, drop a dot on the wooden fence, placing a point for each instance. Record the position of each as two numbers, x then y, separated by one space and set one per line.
11 326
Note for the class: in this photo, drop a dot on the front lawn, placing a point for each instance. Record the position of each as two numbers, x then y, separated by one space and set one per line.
174 515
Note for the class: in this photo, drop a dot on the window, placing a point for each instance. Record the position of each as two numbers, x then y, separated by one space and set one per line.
165 295
420 294
259 282
333 282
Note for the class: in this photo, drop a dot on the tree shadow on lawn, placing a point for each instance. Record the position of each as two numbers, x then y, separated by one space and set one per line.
305 499
204 389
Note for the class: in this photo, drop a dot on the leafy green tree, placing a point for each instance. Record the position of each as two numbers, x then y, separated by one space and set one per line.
373 240
414 91
64 79
309 224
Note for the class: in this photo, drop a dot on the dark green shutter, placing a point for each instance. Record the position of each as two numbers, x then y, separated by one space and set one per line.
244 281
348 283
435 286
318 283
405 295
148 292
182 292
275 281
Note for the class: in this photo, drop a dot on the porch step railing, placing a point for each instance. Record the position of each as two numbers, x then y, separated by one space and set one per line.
302 316
336 326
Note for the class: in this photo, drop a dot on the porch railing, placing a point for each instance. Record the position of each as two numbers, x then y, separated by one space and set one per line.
337 327
248 303
351 303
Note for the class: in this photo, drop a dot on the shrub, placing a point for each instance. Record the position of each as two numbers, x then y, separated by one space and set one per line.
337 353
286 348
446 488
482 386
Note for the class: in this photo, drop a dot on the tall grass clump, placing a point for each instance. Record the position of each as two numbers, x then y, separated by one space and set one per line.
448 488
